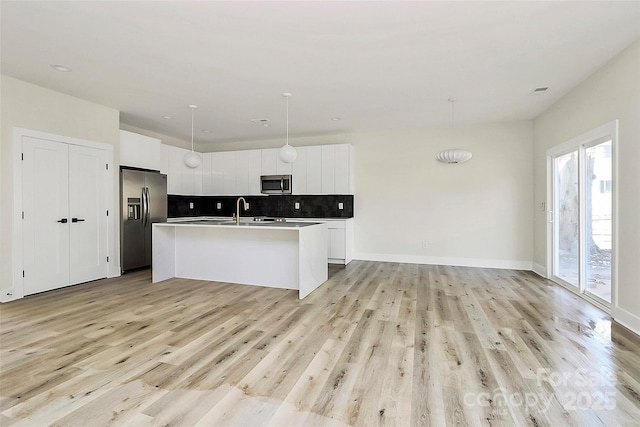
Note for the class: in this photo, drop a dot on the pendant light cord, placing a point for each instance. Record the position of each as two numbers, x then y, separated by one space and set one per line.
192 129
452 101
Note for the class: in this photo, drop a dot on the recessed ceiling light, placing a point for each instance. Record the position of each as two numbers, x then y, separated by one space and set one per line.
336 119
166 117
60 68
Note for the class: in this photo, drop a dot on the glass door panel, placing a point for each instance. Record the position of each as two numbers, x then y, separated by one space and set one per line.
566 220
598 209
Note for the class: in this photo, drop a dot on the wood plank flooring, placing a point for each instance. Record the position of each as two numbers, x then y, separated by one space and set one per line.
378 344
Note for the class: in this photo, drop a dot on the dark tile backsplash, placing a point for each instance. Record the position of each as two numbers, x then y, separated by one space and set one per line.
311 206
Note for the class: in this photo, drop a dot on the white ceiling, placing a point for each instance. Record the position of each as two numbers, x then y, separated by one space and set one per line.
376 65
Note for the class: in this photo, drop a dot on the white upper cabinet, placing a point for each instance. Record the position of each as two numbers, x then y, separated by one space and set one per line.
269 159
181 179
299 172
272 165
307 170
229 172
140 151
254 172
320 169
343 158
337 170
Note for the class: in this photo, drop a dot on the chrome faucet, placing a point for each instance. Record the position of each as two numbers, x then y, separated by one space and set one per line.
244 203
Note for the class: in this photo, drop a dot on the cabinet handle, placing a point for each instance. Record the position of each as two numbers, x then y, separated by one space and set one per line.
77 220
63 220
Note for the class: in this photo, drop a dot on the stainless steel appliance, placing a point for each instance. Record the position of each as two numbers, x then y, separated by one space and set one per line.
143 202
275 184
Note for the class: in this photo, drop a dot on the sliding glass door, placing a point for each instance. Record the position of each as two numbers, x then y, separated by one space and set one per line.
581 215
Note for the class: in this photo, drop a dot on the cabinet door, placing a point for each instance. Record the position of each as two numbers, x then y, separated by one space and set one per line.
174 176
191 177
314 170
139 151
164 159
255 170
242 173
217 181
229 172
299 172
269 161
336 243
282 168
207 181
342 168
328 169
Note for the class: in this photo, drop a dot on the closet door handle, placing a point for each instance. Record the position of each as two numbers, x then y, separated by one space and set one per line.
77 220
63 220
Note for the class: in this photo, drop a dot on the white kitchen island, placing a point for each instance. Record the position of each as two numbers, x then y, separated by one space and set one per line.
289 255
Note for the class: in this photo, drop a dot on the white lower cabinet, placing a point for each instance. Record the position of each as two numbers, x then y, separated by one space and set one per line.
340 241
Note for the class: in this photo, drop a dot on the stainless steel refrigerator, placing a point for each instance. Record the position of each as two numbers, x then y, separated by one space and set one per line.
143 202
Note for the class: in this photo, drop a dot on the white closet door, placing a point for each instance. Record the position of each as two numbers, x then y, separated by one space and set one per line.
88 214
46 223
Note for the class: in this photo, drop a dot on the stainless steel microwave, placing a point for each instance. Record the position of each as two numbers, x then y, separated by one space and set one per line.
275 184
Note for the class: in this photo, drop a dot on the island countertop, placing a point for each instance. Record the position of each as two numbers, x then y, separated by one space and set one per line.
288 255
243 223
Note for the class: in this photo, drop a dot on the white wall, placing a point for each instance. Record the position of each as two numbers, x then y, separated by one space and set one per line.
168 140
477 213
33 107
611 93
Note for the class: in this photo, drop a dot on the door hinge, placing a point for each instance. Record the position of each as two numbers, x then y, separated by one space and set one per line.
107 165
107 259
107 212
22 214
23 273
22 156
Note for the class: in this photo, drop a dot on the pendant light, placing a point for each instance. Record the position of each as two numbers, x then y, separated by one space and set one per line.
192 159
287 153
453 155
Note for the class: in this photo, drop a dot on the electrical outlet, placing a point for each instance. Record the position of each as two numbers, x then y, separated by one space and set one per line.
296 205
218 206
190 205
340 205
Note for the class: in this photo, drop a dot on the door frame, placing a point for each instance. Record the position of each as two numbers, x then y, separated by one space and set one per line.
608 130
113 270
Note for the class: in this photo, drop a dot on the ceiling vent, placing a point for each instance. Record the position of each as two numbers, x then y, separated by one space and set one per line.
540 90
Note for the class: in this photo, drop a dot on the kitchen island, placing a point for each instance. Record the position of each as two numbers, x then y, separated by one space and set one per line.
287 255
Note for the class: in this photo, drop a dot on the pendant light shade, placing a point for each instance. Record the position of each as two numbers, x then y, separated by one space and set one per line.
288 153
192 159
453 155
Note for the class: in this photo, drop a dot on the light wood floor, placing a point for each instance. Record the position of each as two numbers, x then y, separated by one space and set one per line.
378 344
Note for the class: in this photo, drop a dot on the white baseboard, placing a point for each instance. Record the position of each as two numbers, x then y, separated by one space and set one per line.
459 262
540 270
626 319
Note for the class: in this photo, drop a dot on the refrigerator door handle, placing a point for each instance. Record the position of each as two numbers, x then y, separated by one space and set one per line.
146 189
144 207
